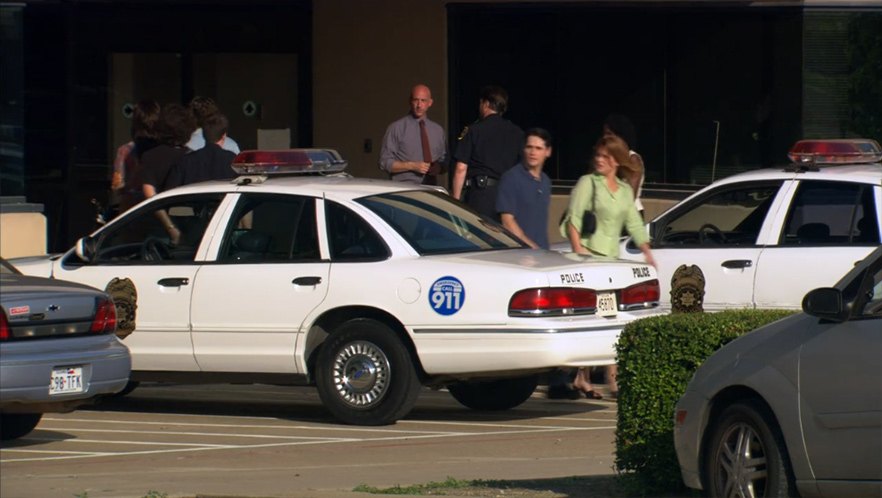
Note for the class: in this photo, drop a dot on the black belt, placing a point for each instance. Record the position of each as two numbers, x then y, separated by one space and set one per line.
480 181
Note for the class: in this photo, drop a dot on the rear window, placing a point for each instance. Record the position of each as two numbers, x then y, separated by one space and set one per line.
831 213
434 224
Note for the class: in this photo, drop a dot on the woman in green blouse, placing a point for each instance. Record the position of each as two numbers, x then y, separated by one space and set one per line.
611 200
613 205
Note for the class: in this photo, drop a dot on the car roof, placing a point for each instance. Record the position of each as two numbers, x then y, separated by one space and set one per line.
342 186
862 173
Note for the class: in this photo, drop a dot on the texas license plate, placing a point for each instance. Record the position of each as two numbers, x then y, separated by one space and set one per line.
606 304
66 380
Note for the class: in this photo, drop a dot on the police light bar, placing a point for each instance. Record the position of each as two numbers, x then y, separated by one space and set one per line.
286 162
839 151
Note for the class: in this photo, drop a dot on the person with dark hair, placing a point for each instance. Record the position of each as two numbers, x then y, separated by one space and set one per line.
175 125
414 147
211 162
202 108
125 182
485 151
634 172
525 192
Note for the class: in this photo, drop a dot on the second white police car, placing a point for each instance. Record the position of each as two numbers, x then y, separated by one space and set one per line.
295 272
763 238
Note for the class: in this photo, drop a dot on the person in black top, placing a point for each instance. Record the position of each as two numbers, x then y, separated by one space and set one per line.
485 151
176 123
211 162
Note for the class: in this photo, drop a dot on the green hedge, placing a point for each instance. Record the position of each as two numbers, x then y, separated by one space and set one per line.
657 357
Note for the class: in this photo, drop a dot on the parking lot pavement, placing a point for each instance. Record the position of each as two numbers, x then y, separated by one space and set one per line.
258 440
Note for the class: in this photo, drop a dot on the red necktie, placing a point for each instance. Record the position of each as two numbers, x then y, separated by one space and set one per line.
429 179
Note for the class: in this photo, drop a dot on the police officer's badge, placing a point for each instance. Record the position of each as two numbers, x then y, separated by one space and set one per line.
687 290
125 299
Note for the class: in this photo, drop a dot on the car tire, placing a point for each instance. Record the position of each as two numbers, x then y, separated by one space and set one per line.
496 395
16 425
365 375
746 455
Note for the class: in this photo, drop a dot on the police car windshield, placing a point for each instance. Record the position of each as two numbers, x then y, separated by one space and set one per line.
433 224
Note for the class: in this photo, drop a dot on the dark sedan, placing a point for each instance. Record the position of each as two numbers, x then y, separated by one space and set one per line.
58 349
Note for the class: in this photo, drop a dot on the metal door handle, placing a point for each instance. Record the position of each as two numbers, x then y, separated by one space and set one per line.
307 281
737 263
174 282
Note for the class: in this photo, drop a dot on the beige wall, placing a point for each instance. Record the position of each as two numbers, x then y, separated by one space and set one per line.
22 234
362 80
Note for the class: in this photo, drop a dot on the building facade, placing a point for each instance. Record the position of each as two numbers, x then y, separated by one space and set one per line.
713 87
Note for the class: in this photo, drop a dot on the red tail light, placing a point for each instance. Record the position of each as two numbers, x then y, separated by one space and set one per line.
5 333
642 295
548 301
105 318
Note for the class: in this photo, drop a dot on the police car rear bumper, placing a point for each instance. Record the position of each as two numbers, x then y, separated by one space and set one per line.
475 350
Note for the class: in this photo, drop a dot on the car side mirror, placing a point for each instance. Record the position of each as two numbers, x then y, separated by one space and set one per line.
85 249
825 302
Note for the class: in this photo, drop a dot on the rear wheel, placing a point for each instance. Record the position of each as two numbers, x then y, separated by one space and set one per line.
746 455
16 425
502 394
365 375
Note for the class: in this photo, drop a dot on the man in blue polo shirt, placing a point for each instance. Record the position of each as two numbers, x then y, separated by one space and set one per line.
525 192
522 202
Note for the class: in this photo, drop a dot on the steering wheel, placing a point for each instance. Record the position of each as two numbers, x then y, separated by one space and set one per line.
154 249
710 227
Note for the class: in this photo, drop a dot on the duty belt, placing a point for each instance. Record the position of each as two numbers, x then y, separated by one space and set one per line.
480 181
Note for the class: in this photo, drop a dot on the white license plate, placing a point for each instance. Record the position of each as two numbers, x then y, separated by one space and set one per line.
606 304
66 380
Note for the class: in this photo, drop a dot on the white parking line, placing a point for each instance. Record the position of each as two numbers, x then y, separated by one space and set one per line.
107 441
249 426
198 447
209 434
55 452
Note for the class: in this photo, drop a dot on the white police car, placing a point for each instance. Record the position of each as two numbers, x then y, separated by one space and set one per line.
764 238
370 289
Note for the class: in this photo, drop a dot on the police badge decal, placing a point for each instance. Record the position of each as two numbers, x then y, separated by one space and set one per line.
687 290
125 299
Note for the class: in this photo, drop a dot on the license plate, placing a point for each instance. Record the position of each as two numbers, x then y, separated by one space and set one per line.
66 380
606 304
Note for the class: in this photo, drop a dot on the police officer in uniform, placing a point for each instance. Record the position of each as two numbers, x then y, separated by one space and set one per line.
485 151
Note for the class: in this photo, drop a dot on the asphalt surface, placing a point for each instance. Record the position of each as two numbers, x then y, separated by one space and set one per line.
262 441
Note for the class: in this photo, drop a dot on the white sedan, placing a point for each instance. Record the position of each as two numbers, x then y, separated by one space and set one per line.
764 238
369 289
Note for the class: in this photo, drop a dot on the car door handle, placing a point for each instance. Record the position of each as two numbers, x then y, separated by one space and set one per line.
174 282
307 281
737 263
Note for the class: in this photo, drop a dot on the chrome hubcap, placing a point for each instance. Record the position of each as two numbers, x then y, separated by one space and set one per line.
361 374
741 463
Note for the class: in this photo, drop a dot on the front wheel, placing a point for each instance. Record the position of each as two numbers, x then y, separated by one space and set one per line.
746 455
502 394
16 425
365 375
